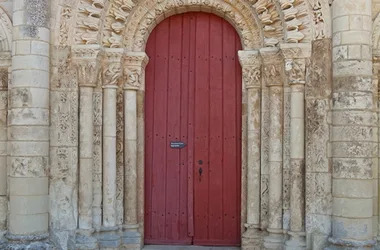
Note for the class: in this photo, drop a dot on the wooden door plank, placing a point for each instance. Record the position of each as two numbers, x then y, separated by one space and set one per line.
191 21
149 127
230 132
160 126
201 124
173 128
216 130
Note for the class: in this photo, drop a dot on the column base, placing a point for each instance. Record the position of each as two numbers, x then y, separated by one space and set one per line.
131 238
339 244
297 241
109 238
252 238
22 242
275 239
85 240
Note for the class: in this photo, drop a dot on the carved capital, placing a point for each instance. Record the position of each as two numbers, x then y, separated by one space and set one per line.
250 62
295 61
272 66
85 60
295 69
134 67
111 71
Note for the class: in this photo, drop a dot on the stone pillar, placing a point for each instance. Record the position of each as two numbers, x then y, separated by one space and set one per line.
3 150
251 65
28 163
134 67
295 66
109 238
354 144
85 58
376 72
273 77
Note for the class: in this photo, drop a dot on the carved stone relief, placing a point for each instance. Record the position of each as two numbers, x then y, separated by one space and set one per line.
115 22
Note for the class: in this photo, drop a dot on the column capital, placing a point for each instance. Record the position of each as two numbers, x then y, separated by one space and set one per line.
295 61
250 62
85 59
272 66
134 67
111 64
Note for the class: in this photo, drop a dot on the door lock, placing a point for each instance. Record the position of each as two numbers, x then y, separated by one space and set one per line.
200 174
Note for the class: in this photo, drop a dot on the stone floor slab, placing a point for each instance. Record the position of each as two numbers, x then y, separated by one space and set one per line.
162 247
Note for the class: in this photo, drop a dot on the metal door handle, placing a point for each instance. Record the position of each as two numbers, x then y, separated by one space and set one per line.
200 174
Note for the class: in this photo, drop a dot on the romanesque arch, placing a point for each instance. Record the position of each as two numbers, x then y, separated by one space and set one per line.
108 37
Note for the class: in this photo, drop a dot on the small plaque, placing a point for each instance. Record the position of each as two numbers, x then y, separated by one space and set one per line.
177 144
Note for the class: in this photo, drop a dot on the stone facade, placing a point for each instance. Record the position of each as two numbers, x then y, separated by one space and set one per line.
72 89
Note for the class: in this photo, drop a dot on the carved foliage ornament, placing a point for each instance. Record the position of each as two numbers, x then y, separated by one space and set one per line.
296 70
87 65
134 66
251 64
112 66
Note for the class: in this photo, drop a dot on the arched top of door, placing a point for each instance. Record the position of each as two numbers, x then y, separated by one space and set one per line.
259 23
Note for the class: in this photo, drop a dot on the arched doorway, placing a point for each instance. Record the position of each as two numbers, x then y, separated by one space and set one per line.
193 132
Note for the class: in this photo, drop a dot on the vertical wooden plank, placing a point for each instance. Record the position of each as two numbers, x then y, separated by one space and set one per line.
173 129
238 165
229 132
149 126
160 128
191 120
216 130
185 163
201 127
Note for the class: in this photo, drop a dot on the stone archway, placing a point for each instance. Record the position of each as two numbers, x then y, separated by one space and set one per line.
134 67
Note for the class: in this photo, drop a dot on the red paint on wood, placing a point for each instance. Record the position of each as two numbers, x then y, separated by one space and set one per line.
193 94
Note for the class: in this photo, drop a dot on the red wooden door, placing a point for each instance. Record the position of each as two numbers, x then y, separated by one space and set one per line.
193 95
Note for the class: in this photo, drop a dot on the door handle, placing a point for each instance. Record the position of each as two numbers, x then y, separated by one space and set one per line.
200 174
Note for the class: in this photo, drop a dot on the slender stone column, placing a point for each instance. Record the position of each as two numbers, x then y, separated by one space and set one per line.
134 66
376 76
111 73
295 67
354 145
85 58
251 65
28 162
273 77
3 150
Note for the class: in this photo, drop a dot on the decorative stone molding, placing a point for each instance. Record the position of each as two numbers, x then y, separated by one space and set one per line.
134 66
5 32
112 66
376 35
85 59
114 23
88 21
271 22
251 65
148 13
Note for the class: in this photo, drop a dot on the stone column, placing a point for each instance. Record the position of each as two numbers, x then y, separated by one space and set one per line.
354 144
111 73
251 65
273 77
85 58
376 72
28 162
3 150
295 66
134 67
